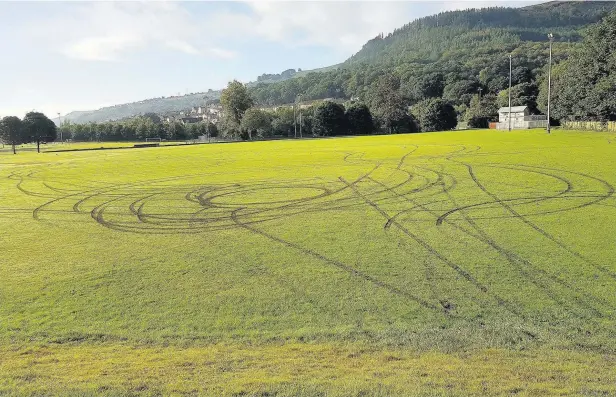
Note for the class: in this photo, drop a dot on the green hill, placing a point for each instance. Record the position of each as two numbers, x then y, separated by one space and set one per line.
465 50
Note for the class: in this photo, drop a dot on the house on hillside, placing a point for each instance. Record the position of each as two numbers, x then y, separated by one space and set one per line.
520 118
190 120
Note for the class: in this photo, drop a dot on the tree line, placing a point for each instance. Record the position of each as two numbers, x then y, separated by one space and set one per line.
138 128
34 128
384 112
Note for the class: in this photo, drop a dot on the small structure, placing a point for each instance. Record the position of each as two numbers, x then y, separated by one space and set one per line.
520 119
190 120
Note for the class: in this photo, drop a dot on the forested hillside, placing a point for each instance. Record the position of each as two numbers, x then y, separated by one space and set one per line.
453 55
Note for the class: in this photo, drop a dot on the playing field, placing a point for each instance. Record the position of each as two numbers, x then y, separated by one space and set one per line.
457 263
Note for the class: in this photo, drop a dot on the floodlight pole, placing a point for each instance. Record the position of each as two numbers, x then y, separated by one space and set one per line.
299 109
60 125
509 92
551 37
295 120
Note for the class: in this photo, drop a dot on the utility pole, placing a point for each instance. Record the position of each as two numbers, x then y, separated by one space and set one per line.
299 109
480 92
295 120
509 92
60 125
551 37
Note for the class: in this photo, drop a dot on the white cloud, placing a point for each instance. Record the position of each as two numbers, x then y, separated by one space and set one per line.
221 53
106 48
108 31
343 26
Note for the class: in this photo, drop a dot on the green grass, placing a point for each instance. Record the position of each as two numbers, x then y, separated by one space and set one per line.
74 146
453 263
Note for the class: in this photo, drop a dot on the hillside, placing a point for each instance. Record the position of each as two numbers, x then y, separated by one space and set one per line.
175 103
435 37
464 50
156 105
455 47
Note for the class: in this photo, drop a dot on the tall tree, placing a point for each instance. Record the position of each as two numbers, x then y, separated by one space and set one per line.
428 86
584 87
11 131
329 119
282 123
256 122
435 115
481 111
359 120
39 128
235 100
523 94
386 101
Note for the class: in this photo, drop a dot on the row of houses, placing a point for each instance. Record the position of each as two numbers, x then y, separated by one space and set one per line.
199 114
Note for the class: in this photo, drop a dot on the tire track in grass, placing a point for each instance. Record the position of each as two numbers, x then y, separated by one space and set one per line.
416 204
536 275
598 199
465 274
342 266
609 194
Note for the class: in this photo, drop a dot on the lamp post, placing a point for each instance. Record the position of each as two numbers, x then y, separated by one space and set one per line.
295 120
551 38
509 92
299 109
60 125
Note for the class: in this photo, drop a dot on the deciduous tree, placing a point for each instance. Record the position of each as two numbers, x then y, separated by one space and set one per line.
386 102
256 122
11 131
435 115
39 128
359 120
329 119
235 100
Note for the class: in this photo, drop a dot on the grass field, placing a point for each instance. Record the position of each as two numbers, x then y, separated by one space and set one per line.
74 146
453 263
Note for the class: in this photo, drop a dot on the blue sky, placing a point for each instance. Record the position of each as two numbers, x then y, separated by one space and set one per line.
65 56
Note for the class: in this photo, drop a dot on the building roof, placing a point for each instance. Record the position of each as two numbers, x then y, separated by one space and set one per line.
514 109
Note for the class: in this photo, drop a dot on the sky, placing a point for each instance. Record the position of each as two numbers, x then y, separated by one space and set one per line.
58 57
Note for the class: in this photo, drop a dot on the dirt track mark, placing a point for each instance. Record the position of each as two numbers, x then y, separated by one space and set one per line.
598 198
466 275
538 276
354 272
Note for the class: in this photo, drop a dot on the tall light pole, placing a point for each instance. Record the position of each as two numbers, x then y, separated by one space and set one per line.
299 109
295 120
551 37
509 92
60 125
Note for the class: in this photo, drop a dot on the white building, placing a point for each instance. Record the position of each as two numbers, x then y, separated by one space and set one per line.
520 118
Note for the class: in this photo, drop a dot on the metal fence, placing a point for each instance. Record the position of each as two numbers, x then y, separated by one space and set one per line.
590 125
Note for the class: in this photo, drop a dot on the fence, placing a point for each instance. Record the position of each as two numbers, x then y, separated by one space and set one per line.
590 125
522 124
